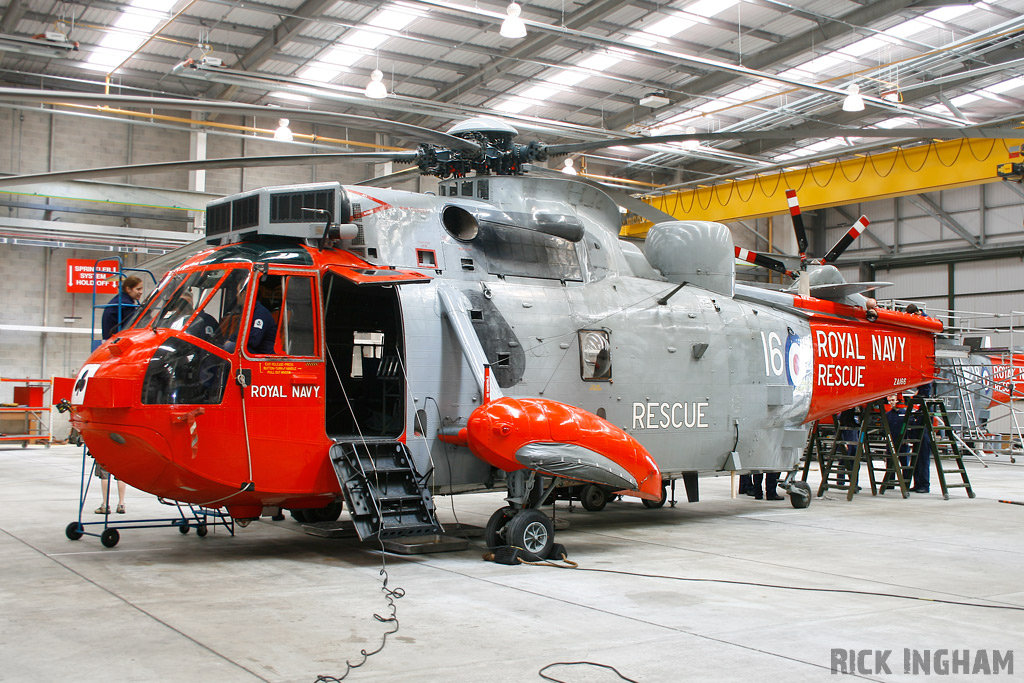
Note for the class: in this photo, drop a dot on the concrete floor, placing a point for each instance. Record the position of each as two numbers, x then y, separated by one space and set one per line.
274 604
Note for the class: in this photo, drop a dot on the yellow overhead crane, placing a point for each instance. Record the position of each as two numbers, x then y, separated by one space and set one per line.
901 171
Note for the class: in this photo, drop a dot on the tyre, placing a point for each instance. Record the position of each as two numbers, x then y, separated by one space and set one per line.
533 532
494 533
73 531
109 538
331 513
183 528
299 516
593 498
655 504
799 494
202 530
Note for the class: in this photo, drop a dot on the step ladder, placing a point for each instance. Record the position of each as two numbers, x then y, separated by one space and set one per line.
386 496
818 446
944 447
842 463
880 451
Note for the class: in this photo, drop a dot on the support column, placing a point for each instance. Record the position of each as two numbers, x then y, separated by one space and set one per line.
197 179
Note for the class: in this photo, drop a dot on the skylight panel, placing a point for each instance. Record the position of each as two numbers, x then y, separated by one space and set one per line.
364 39
137 22
512 106
538 92
814 67
864 46
599 62
965 99
907 28
896 122
668 27
392 19
566 77
949 13
315 72
641 41
294 97
709 8
339 56
153 5
1006 86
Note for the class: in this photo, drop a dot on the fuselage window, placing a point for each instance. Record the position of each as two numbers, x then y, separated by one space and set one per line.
595 355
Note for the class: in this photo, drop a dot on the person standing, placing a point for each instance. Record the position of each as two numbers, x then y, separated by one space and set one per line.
120 308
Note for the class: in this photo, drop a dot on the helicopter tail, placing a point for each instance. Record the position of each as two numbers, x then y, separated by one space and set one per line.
561 440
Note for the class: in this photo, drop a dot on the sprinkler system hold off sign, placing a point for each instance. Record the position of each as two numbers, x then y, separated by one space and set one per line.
80 274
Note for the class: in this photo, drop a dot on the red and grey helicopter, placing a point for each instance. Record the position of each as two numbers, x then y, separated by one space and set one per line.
372 347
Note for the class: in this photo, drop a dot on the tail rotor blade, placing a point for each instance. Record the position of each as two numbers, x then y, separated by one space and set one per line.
798 223
762 260
846 240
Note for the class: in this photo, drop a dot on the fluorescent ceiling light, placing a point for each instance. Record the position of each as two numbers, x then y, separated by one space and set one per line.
853 100
513 26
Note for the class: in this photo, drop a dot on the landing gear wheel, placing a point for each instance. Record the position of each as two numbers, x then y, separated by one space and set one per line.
532 531
593 498
299 516
109 538
494 533
73 531
183 528
655 504
331 513
799 494
201 530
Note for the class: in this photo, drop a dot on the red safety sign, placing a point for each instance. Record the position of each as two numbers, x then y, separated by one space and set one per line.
80 275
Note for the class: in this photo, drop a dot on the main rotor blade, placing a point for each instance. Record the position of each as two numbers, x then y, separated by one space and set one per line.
623 199
798 223
207 164
795 134
846 240
405 130
397 175
762 260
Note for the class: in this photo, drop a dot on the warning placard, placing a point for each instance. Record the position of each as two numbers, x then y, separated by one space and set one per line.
81 272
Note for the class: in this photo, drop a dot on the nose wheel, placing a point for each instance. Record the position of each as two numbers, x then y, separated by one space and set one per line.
530 531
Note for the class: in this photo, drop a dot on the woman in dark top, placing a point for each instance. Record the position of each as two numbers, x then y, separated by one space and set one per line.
121 307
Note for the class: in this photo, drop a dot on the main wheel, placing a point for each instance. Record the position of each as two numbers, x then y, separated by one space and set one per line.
655 504
73 531
299 516
593 498
201 530
494 533
109 538
331 513
799 494
533 532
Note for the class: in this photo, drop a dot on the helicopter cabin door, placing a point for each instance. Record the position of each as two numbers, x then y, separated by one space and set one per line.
282 352
365 349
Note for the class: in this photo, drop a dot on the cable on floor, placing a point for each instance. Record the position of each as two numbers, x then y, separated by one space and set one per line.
573 565
559 680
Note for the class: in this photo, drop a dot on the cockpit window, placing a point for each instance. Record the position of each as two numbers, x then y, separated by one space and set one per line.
179 309
181 373
224 309
595 355
167 290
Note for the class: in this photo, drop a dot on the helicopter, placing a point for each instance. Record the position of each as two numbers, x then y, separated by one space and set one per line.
349 345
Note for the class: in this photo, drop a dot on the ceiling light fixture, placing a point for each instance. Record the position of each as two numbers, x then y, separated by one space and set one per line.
513 26
375 89
853 101
568 168
283 132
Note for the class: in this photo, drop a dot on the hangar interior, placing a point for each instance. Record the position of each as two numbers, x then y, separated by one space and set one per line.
945 229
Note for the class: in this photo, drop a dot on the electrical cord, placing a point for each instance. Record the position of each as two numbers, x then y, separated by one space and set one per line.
391 595
603 666
809 589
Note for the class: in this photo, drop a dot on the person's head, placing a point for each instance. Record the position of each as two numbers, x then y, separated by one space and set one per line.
870 303
912 309
893 399
132 286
